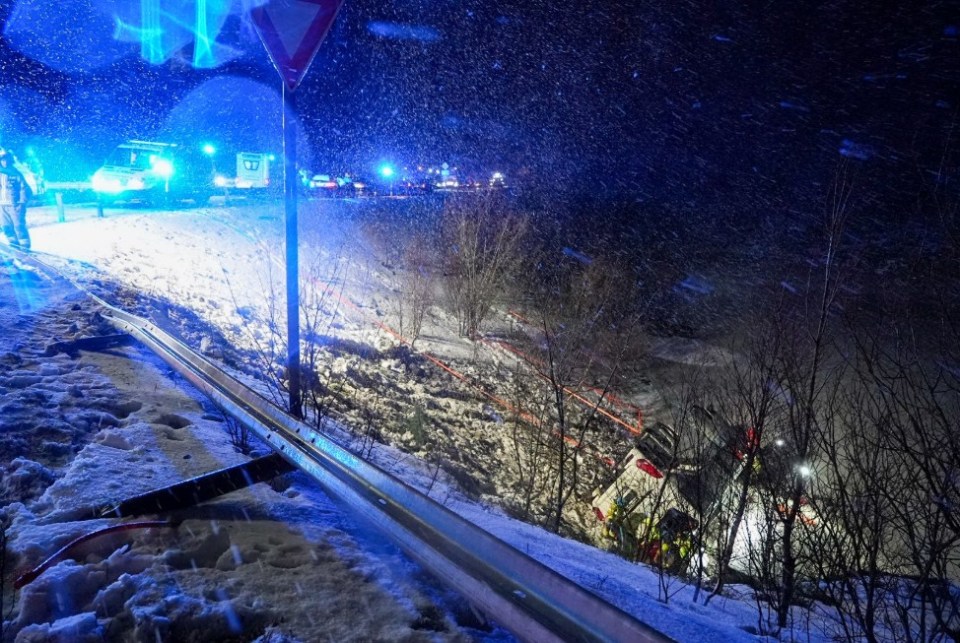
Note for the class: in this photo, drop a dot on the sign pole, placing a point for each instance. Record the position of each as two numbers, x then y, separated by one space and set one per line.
291 31
292 240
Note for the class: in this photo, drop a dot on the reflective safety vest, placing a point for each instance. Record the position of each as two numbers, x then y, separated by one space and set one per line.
611 526
13 190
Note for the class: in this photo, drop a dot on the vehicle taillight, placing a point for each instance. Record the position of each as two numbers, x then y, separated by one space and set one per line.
647 467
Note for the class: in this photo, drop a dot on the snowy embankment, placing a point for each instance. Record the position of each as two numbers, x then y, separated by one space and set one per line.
276 561
262 560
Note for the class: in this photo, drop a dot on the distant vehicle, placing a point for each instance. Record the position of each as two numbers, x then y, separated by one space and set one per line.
253 178
155 172
325 184
413 187
253 170
338 186
362 187
448 183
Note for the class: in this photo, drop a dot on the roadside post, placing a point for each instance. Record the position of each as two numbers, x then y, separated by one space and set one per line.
291 31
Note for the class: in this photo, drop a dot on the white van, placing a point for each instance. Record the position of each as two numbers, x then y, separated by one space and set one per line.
156 172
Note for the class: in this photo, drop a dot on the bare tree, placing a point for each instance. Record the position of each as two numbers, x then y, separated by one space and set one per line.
856 532
748 395
811 370
529 441
918 409
579 333
484 241
783 390
417 281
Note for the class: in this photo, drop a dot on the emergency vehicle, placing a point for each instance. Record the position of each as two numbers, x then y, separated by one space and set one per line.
672 481
156 172
668 481
253 172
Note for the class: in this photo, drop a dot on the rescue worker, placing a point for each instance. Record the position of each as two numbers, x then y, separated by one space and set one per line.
14 194
674 551
613 526
650 546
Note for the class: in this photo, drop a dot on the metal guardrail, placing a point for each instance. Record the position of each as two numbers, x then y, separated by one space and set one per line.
529 599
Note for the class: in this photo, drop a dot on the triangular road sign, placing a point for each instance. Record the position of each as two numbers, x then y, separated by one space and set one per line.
292 31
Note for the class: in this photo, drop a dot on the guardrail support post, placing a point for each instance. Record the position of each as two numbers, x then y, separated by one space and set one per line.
61 217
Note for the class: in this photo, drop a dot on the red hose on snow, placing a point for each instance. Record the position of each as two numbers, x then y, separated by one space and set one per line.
30 576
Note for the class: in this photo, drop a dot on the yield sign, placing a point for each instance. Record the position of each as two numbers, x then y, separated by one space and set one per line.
292 31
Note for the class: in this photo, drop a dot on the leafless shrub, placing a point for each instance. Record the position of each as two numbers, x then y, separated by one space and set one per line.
239 435
483 244
366 435
320 301
266 331
434 477
417 280
527 439
748 395
577 323
908 555
321 292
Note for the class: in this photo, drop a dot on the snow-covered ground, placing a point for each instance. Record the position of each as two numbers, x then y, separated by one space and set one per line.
279 562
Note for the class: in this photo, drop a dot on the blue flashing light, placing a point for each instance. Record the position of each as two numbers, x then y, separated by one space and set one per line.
209 149
386 171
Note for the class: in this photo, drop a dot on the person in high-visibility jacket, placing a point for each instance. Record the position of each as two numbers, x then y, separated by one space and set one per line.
674 553
14 194
650 545
612 525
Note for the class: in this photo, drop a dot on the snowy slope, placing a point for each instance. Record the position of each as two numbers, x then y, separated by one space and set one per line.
217 264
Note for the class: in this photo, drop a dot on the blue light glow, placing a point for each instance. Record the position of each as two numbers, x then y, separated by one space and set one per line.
151 46
165 29
105 185
163 168
386 171
202 48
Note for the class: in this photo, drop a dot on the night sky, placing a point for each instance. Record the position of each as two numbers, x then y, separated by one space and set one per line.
752 105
